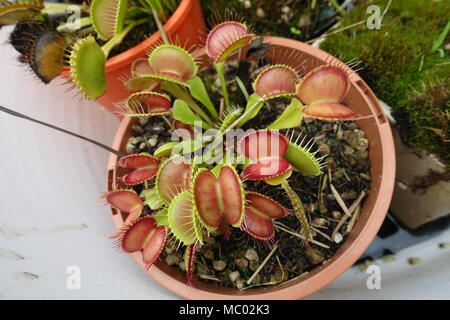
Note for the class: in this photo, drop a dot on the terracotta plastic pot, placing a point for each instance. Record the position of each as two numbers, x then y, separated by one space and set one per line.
373 211
186 23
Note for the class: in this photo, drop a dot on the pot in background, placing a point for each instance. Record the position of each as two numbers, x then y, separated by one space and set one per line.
186 23
382 157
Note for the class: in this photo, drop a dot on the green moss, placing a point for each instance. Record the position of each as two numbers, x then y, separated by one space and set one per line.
401 68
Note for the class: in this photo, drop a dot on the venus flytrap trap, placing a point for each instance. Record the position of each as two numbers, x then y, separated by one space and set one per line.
189 188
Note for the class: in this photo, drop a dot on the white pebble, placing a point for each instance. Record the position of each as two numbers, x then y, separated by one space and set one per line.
219 265
251 255
234 276
338 238
285 9
260 13
247 4
153 141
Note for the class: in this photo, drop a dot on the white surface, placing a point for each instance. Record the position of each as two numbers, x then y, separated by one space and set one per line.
50 216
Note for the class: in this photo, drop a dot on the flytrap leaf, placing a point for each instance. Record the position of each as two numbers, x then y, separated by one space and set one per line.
225 39
108 17
173 61
173 178
199 92
259 212
145 235
323 84
303 160
183 221
189 260
146 104
87 67
329 111
266 148
126 201
290 118
264 169
46 55
219 198
253 100
323 89
276 81
183 113
12 13
145 167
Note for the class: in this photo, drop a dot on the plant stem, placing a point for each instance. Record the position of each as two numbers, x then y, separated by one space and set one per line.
118 38
299 210
179 93
98 144
160 26
220 69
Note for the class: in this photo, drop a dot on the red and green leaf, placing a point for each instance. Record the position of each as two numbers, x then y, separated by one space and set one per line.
126 201
144 235
172 61
225 39
276 81
263 144
189 261
259 213
146 104
182 219
266 148
173 178
146 167
266 168
329 111
324 84
218 198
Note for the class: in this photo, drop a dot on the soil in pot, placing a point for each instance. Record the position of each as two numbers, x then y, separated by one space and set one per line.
292 19
234 262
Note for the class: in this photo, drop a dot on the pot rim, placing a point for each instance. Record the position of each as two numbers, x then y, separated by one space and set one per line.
321 275
176 19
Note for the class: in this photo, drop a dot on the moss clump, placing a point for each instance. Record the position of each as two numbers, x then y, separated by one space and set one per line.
400 66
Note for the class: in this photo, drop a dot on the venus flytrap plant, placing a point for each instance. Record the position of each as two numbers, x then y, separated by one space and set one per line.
188 189
197 190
